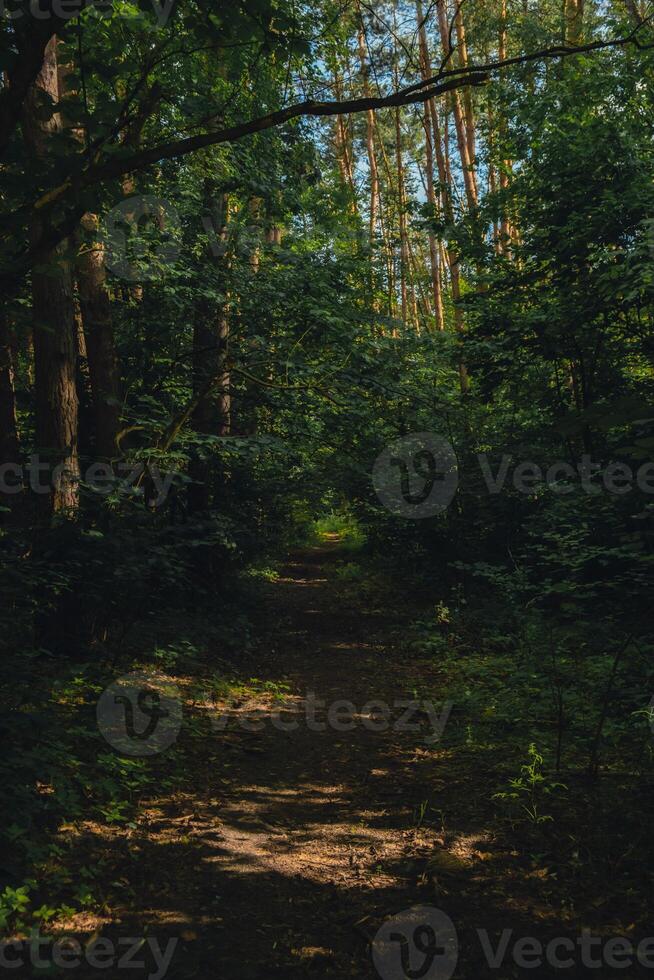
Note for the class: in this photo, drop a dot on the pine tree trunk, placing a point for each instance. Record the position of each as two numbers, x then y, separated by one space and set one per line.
344 153
430 108
370 136
55 348
464 127
469 116
505 172
573 18
401 207
97 320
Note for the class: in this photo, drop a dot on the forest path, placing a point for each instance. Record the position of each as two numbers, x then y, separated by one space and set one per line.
315 839
296 845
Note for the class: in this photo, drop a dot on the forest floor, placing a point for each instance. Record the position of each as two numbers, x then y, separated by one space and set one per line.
287 850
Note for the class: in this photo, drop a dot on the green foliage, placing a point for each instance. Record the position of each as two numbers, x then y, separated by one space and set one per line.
531 788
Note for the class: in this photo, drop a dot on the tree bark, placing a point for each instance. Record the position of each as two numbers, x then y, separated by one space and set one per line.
573 18
468 111
464 127
55 347
97 319
505 171
401 208
370 135
432 199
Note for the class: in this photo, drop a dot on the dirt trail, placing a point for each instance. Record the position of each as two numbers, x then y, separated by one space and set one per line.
296 845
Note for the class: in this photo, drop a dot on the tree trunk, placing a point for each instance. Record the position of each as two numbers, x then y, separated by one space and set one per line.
468 112
573 18
100 343
442 159
212 415
55 348
405 258
462 126
344 153
425 69
370 135
401 207
505 172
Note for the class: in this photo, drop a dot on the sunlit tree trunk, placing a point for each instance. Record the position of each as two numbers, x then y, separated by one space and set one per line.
453 262
370 135
401 207
407 302
468 110
505 171
344 151
430 108
464 128
440 146
573 21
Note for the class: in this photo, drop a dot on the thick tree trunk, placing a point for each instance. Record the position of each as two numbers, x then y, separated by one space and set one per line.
101 355
55 348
